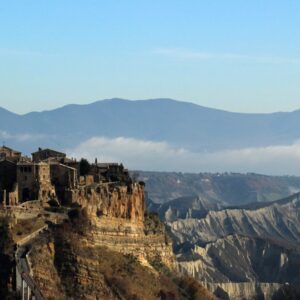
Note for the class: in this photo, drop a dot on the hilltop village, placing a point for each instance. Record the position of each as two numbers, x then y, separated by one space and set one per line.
70 228
51 175
78 230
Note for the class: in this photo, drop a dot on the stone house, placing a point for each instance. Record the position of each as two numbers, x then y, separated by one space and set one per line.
51 175
10 154
43 154
63 178
34 181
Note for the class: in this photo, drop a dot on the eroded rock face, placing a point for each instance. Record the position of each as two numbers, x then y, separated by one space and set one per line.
245 253
279 222
112 200
116 214
112 221
242 267
66 273
240 259
244 290
67 266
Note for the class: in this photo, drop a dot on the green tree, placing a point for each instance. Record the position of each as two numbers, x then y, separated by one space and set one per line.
84 167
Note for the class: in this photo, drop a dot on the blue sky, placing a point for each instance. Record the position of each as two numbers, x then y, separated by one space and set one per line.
235 55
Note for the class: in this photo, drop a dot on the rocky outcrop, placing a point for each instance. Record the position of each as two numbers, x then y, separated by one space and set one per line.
111 200
116 218
111 220
60 281
184 208
66 265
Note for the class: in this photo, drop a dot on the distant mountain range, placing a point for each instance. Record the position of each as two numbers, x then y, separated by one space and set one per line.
180 124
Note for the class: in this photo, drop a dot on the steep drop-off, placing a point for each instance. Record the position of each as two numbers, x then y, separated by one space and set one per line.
67 266
109 248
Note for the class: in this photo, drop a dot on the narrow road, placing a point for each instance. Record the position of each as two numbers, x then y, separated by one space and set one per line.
25 282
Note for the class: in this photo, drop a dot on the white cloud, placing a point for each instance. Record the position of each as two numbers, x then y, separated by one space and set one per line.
186 54
21 137
160 156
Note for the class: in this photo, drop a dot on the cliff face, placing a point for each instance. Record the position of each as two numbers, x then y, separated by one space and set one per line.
112 201
110 249
103 247
116 216
64 268
67 266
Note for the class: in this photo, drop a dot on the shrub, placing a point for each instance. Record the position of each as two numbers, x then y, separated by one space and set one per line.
84 167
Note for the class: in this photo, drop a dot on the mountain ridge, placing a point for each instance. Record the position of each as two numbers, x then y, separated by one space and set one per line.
180 124
146 100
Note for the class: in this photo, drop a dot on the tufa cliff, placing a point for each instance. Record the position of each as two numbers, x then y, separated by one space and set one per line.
77 230
109 248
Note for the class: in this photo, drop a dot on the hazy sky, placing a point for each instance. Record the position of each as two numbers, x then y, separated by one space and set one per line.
235 55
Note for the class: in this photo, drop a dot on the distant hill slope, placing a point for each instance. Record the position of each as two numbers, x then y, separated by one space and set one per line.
180 124
219 188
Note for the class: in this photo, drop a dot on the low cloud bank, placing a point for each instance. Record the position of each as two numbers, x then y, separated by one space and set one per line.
160 156
21 137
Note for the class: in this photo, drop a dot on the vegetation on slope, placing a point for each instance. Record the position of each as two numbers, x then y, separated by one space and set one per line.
6 259
80 270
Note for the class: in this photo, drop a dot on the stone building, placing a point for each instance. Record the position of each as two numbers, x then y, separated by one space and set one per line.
8 153
43 154
109 172
50 175
63 178
34 181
